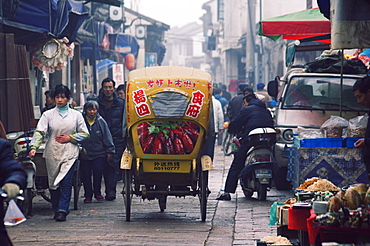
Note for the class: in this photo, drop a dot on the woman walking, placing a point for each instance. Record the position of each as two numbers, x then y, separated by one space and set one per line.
97 150
65 128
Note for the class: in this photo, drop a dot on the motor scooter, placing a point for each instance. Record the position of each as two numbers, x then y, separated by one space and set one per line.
21 144
257 174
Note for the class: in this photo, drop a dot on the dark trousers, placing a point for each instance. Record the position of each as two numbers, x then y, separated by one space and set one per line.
61 197
220 138
112 171
94 168
236 167
4 238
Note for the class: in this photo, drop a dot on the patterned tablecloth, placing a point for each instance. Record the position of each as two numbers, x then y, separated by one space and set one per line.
342 166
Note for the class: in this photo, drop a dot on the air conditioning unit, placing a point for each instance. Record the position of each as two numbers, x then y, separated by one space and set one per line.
140 31
115 13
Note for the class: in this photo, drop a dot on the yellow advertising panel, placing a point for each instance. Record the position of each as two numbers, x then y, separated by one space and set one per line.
168 92
166 166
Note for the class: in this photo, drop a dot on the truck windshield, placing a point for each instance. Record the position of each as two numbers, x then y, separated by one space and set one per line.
321 93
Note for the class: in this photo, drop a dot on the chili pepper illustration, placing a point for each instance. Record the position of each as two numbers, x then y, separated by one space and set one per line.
142 126
192 125
179 147
169 148
147 144
144 134
188 144
193 134
177 132
161 137
171 134
157 148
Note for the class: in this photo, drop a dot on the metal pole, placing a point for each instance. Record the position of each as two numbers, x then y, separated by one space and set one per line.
341 83
93 58
251 66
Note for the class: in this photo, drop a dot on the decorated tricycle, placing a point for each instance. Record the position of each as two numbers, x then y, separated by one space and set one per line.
168 111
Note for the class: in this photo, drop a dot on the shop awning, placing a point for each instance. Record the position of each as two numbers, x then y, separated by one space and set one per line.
104 65
298 25
58 18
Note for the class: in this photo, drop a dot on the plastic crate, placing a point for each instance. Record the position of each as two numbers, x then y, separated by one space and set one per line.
306 142
331 142
349 142
318 142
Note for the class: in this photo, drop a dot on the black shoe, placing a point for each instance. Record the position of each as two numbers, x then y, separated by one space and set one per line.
224 196
110 197
61 216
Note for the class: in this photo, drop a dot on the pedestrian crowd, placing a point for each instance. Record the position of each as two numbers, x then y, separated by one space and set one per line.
96 139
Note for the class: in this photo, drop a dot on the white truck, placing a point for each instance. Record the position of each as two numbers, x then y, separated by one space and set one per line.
308 100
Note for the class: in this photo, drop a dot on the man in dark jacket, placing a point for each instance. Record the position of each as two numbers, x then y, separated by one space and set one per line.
361 90
49 101
236 103
12 178
253 115
111 108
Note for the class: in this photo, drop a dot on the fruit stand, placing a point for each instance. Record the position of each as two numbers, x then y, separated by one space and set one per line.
322 212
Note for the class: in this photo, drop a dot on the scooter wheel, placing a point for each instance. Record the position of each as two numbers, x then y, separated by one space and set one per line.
247 193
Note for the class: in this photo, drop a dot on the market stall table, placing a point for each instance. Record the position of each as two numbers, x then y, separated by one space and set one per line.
341 166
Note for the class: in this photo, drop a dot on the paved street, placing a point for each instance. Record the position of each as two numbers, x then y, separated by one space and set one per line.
237 222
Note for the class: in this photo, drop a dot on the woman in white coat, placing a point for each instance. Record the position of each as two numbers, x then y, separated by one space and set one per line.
65 128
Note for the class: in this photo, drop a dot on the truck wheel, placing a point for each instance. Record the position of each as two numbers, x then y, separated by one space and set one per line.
280 178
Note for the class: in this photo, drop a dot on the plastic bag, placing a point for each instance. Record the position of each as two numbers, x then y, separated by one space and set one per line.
13 215
333 127
305 133
357 126
273 213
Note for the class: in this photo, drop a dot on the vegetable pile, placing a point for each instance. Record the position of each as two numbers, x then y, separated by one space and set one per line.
168 137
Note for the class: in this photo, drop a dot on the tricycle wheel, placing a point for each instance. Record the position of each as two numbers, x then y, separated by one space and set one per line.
76 183
26 204
127 193
162 203
204 192
262 192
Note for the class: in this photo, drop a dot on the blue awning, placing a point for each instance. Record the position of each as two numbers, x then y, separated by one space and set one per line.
125 43
104 65
58 18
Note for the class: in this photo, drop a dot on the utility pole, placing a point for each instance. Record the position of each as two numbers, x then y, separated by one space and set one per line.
251 58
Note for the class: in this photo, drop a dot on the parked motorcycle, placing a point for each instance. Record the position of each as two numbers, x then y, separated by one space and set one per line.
21 144
257 174
37 176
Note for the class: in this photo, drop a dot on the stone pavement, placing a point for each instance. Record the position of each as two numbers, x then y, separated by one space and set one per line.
237 222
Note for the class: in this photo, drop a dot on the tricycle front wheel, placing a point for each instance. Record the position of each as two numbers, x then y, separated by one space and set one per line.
162 203
127 193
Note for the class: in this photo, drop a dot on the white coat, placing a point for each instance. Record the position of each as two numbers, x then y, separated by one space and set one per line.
218 114
60 157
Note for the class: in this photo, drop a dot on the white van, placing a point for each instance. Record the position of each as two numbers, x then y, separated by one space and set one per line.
308 100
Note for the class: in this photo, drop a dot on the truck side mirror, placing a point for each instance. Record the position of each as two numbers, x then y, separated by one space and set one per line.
273 87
